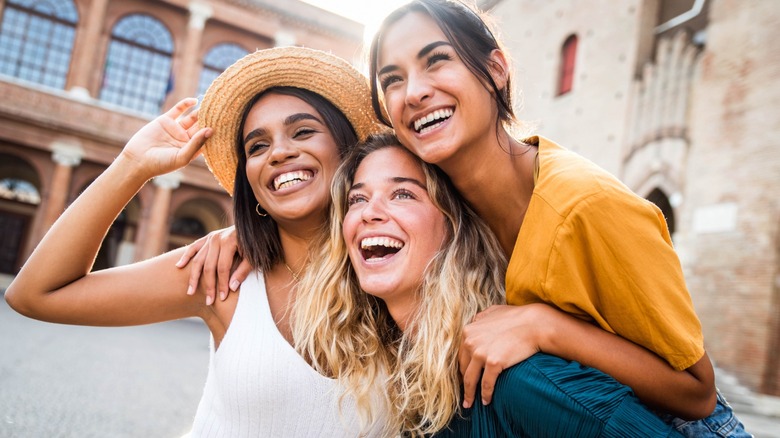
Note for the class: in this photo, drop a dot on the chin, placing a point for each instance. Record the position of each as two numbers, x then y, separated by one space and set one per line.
376 289
433 154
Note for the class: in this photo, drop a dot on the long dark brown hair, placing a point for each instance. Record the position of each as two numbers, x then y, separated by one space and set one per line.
258 236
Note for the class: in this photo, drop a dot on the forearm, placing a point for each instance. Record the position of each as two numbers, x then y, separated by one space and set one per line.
687 394
69 248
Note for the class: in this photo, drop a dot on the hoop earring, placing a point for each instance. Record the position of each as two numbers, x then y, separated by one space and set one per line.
257 210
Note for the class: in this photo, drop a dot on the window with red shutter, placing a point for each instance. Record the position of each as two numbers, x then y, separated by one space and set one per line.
568 59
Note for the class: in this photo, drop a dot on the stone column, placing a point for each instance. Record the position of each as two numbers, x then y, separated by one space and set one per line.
67 157
188 72
83 61
157 230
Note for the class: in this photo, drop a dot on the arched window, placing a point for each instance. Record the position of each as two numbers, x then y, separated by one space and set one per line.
568 60
19 190
138 66
216 61
36 40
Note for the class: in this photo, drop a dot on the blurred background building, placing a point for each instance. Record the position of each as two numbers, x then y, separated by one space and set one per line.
678 98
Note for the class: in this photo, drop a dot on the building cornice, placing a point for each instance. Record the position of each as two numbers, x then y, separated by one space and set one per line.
307 16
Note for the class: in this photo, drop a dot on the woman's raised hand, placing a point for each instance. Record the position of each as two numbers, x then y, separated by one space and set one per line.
168 142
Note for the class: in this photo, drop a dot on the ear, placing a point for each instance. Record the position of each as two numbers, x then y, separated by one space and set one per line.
499 68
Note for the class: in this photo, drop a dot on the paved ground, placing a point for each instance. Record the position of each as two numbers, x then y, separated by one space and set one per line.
759 414
67 381
761 426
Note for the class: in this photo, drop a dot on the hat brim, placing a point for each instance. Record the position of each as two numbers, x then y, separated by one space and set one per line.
227 98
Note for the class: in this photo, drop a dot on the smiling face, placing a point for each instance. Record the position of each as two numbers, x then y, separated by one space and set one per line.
437 106
291 158
392 228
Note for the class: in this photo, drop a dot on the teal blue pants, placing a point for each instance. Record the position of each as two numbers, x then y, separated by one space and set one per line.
546 396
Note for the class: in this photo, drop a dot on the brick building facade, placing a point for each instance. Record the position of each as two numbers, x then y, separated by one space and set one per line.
681 100
79 77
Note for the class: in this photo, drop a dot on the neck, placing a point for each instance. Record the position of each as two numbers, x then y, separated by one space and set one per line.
496 178
295 247
402 311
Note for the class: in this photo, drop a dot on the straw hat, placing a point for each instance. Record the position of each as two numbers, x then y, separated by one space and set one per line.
228 96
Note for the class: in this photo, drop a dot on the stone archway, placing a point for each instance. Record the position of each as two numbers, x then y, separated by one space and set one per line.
659 198
193 219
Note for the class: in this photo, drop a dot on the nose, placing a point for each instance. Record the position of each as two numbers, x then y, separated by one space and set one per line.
374 211
418 89
281 151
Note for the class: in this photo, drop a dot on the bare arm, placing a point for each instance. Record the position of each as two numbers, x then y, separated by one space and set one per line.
56 285
506 335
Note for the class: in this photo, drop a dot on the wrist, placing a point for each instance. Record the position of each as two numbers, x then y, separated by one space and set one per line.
128 172
545 328
131 170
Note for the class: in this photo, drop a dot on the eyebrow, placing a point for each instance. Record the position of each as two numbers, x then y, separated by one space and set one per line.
297 117
292 118
421 54
397 180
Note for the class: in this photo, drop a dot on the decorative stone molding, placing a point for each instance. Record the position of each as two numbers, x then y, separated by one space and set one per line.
170 181
67 154
60 111
80 93
199 13
284 38
661 96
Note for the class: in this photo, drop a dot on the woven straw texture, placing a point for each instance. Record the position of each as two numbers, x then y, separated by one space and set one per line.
228 96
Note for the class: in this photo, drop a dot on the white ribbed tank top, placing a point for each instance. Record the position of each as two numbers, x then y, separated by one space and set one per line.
259 386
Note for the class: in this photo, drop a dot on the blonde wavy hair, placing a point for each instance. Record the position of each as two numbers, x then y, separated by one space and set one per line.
348 334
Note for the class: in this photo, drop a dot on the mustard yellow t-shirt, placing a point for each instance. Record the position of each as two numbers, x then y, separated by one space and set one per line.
594 249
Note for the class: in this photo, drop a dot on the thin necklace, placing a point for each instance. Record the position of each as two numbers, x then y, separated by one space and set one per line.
294 275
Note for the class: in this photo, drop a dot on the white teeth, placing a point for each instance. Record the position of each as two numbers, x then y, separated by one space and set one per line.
387 242
291 178
441 114
428 128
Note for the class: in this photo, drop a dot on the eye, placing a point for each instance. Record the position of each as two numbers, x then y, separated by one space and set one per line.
403 194
302 133
388 80
255 148
438 56
355 198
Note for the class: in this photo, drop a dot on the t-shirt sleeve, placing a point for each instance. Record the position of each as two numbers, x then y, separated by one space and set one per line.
613 257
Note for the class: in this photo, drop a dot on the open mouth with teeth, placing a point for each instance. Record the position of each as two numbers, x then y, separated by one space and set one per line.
432 120
290 179
379 248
